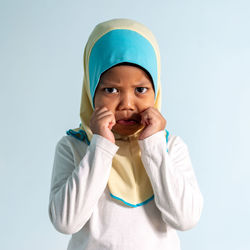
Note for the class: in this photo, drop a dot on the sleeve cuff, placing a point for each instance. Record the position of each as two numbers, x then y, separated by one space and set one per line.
103 143
152 141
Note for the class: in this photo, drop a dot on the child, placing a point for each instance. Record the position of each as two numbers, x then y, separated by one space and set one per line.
121 181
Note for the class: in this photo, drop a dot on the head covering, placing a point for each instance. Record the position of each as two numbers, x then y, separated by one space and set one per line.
113 42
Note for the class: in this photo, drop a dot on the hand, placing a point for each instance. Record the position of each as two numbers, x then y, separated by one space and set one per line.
153 121
101 123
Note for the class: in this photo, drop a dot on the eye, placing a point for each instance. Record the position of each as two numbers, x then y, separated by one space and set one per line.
141 90
110 90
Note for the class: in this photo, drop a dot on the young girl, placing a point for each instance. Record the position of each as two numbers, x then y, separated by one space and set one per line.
121 181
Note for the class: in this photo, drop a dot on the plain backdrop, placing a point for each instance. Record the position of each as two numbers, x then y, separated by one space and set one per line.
205 50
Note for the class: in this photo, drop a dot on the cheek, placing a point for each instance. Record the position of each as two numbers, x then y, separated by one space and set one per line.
101 101
146 103
110 106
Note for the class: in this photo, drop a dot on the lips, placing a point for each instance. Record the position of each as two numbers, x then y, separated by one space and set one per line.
128 118
127 122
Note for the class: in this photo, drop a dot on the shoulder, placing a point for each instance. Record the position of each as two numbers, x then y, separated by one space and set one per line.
70 143
175 140
176 143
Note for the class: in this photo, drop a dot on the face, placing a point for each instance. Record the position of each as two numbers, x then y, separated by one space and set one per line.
126 91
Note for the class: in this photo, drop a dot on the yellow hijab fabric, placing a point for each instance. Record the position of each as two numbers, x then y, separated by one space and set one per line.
128 181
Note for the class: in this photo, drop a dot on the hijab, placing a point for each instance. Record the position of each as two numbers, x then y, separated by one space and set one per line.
114 42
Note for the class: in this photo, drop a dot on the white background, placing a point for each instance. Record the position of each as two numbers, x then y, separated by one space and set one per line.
205 51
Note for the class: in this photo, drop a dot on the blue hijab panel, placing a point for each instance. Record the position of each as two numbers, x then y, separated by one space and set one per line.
118 46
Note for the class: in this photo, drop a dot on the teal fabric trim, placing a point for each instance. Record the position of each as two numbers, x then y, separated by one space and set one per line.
117 46
80 135
132 205
167 137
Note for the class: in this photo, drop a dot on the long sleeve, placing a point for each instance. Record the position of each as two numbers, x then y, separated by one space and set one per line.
75 190
173 180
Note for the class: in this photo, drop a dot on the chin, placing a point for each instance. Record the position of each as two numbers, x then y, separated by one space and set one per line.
128 130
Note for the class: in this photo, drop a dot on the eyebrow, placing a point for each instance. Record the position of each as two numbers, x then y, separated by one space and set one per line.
118 83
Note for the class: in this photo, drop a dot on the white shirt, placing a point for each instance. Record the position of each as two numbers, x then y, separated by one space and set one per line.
80 203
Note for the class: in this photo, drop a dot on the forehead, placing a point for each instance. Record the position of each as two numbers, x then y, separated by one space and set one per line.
125 72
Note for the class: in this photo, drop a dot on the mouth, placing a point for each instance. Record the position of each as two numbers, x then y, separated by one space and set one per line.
127 122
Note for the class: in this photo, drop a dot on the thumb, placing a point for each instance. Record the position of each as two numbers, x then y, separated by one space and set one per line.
111 123
146 132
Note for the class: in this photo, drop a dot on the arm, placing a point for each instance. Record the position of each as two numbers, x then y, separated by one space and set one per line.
75 190
176 190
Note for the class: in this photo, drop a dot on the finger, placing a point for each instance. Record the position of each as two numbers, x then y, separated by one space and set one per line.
146 132
111 124
143 122
99 114
103 108
150 112
100 109
146 118
105 120
103 114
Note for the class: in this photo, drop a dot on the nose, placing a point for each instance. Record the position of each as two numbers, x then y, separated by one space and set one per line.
126 102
